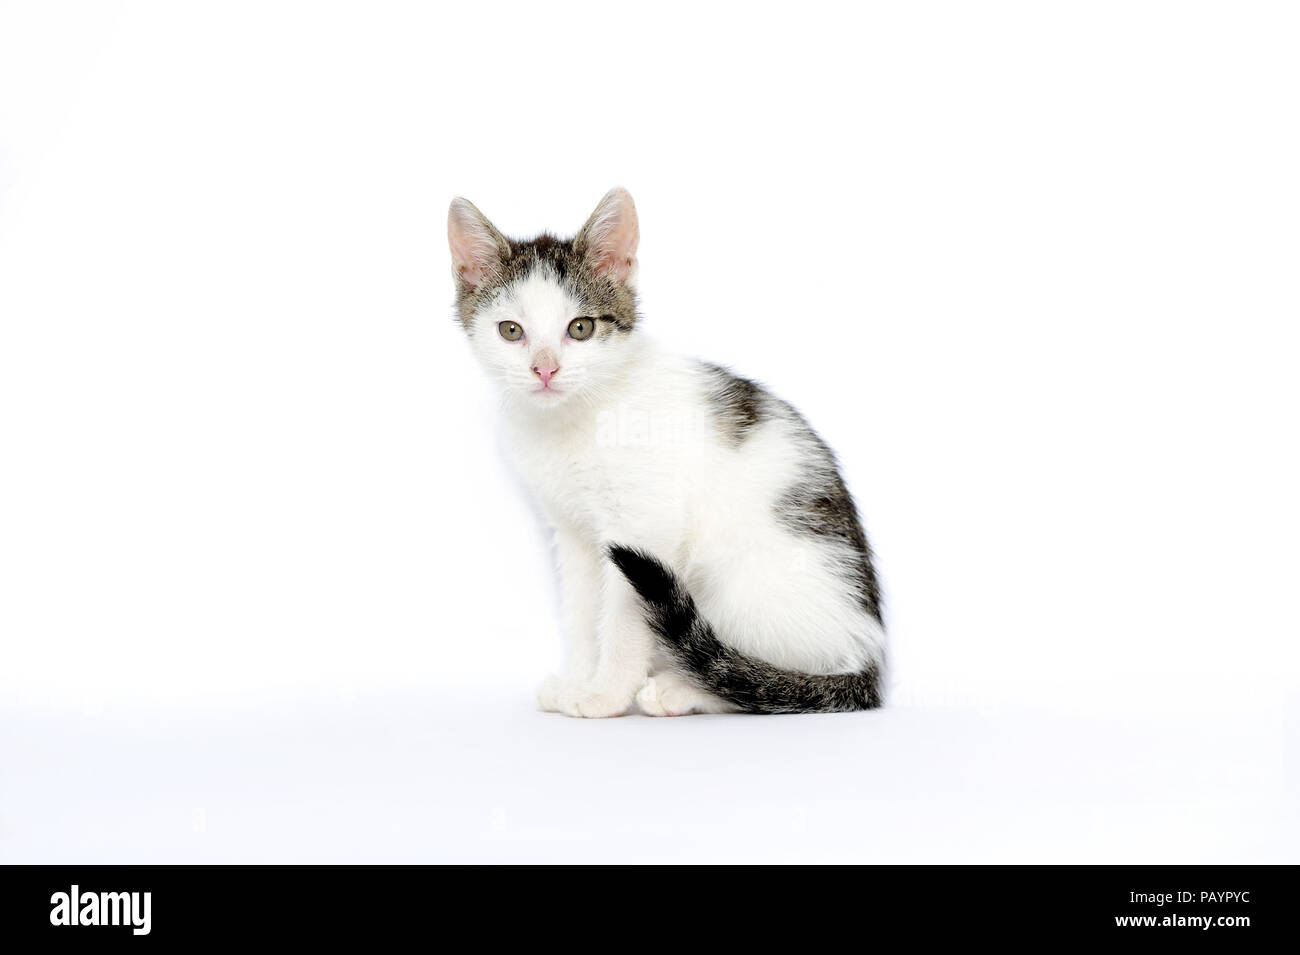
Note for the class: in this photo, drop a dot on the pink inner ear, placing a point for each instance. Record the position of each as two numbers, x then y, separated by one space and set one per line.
613 237
471 267
474 254
616 262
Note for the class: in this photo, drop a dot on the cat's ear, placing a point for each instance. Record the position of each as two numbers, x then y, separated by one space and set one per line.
608 241
477 248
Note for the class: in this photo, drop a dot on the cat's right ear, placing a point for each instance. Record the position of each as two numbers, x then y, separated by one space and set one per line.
477 248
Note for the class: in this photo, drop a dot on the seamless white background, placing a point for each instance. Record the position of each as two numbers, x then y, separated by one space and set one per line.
267 592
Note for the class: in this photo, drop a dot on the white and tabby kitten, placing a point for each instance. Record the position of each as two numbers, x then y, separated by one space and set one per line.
711 557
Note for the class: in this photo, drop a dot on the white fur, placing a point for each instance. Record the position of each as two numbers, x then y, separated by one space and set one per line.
624 449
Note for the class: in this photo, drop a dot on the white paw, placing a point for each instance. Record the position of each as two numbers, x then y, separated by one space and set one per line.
648 699
596 705
555 689
663 696
560 694
666 694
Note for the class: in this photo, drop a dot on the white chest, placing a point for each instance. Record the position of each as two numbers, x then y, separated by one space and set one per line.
603 478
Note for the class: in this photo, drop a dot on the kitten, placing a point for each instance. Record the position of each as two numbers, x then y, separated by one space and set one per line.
711 558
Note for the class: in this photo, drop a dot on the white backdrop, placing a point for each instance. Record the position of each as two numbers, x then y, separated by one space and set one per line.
1030 269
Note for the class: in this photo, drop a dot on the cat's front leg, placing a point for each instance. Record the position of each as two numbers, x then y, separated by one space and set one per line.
581 567
625 646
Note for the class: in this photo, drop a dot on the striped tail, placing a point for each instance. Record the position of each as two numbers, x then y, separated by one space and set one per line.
752 685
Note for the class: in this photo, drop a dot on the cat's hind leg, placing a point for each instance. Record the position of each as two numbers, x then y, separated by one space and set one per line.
668 694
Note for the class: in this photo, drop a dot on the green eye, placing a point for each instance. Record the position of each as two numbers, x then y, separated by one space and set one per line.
581 328
510 331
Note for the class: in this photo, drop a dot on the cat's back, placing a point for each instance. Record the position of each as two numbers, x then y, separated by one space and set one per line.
776 545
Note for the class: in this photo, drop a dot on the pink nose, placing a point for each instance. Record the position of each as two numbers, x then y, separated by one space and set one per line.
546 372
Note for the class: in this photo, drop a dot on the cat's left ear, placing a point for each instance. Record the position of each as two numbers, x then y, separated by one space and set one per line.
608 241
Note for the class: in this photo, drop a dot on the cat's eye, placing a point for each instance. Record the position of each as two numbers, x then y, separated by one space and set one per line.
510 331
581 328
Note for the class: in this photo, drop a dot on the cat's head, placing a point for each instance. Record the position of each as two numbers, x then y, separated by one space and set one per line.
548 317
